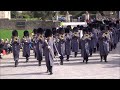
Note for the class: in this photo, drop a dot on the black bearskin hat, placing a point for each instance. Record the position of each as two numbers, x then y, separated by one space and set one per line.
69 26
14 33
35 31
48 33
67 30
40 31
117 22
81 27
85 29
61 31
54 31
78 26
75 29
26 33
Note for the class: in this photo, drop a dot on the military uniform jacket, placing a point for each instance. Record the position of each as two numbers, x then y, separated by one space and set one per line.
26 47
103 46
68 44
39 49
49 53
15 48
75 44
85 48
61 47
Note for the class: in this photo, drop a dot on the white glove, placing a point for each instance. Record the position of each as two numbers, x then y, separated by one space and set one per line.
59 55
45 40
48 47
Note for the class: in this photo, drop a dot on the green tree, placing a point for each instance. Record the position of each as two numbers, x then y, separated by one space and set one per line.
14 14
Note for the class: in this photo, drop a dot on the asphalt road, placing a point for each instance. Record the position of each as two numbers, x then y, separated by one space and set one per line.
73 69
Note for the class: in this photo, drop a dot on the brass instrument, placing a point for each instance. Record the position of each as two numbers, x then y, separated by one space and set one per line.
86 36
106 34
91 35
76 34
61 37
16 39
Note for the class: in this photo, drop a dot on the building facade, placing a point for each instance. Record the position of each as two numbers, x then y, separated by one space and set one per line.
5 14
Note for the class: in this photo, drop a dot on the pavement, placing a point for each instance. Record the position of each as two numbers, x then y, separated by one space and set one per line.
73 69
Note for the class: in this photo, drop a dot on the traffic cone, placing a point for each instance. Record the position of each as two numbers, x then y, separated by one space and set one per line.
4 52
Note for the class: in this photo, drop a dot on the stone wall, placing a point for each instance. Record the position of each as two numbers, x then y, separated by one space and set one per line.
30 24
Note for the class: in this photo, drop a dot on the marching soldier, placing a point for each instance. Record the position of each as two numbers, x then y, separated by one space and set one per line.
80 30
94 37
49 51
39 45
67 43
85 46
15 46
26 45
61 45
103 44
75 41
55 38
34 38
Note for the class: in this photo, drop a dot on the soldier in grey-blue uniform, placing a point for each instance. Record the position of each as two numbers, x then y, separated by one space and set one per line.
15 41
67 43
61 44
85 52
80 34
103 44
94 37
49 50
54 31
75 41
39 45
34 38
26 45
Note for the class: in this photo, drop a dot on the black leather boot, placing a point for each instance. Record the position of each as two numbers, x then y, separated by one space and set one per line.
27 59
16 63
39 62
67 58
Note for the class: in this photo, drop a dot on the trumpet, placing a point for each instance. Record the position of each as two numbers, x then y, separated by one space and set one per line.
76 34
61 37
86 36
106 34
16 39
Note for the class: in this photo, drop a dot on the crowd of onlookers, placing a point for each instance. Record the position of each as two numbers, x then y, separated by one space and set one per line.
5 46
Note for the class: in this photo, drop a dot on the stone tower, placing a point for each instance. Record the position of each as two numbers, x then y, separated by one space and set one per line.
5 14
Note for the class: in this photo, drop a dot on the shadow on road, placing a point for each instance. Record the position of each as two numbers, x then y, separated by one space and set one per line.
38 73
